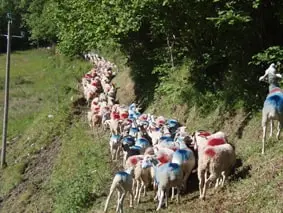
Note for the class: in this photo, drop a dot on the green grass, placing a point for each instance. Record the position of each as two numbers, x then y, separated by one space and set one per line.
81 170
43 84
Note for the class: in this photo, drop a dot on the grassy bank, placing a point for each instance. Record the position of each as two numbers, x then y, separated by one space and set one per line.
53 159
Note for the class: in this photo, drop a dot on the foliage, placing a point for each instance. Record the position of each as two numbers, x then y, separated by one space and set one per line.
270 55
220 36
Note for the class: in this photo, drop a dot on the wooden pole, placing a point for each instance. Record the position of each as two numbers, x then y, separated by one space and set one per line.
6 102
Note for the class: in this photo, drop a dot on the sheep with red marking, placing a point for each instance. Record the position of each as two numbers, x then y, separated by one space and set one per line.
204 142
217 161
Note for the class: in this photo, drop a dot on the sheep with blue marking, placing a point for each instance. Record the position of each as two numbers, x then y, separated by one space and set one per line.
123 183
166 176
273 104
115 146
186 159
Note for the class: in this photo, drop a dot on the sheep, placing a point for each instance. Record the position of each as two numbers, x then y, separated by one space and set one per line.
114 126
186 159
218 161
155 134
115 146
272 110
273 104
93 119
123 182
143 177
202 140
167 175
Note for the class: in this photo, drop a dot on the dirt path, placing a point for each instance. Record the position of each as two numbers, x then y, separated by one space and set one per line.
36 174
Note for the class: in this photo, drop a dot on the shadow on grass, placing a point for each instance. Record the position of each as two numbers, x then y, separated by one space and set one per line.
239 171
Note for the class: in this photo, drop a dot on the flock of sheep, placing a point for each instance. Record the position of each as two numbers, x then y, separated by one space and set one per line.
154 151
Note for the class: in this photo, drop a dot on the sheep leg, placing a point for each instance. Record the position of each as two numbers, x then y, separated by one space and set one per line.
118 151
264 124
166 197
218 180
124 159
112 151
108 199
156 196
115 153
131 198
144 189
223 178
133 186
278 130
178 194
137 189
210 179
185 180
141 187
172 196
121 202
201 178
160 197
118 200
271 128
263 138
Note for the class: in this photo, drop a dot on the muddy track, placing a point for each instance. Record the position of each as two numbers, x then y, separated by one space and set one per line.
36 174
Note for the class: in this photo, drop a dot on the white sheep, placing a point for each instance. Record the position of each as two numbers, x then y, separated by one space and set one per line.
115 146
143 177
123 182
186 159
218 162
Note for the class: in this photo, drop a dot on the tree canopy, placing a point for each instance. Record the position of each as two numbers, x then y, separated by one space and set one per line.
228 42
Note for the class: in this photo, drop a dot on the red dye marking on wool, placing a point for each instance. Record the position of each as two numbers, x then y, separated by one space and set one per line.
116 115
215 141
275 90
124 115
174 148
210 152
204 134
134 160
163 159
161 122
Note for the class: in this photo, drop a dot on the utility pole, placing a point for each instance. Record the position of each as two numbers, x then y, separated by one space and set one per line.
7 83
6 101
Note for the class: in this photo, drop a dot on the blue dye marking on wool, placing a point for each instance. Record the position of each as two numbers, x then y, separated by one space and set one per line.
134 130
275 100
142 141
129 140
172 123
184 154
174 167
122 173
166 138
115 137
136 147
